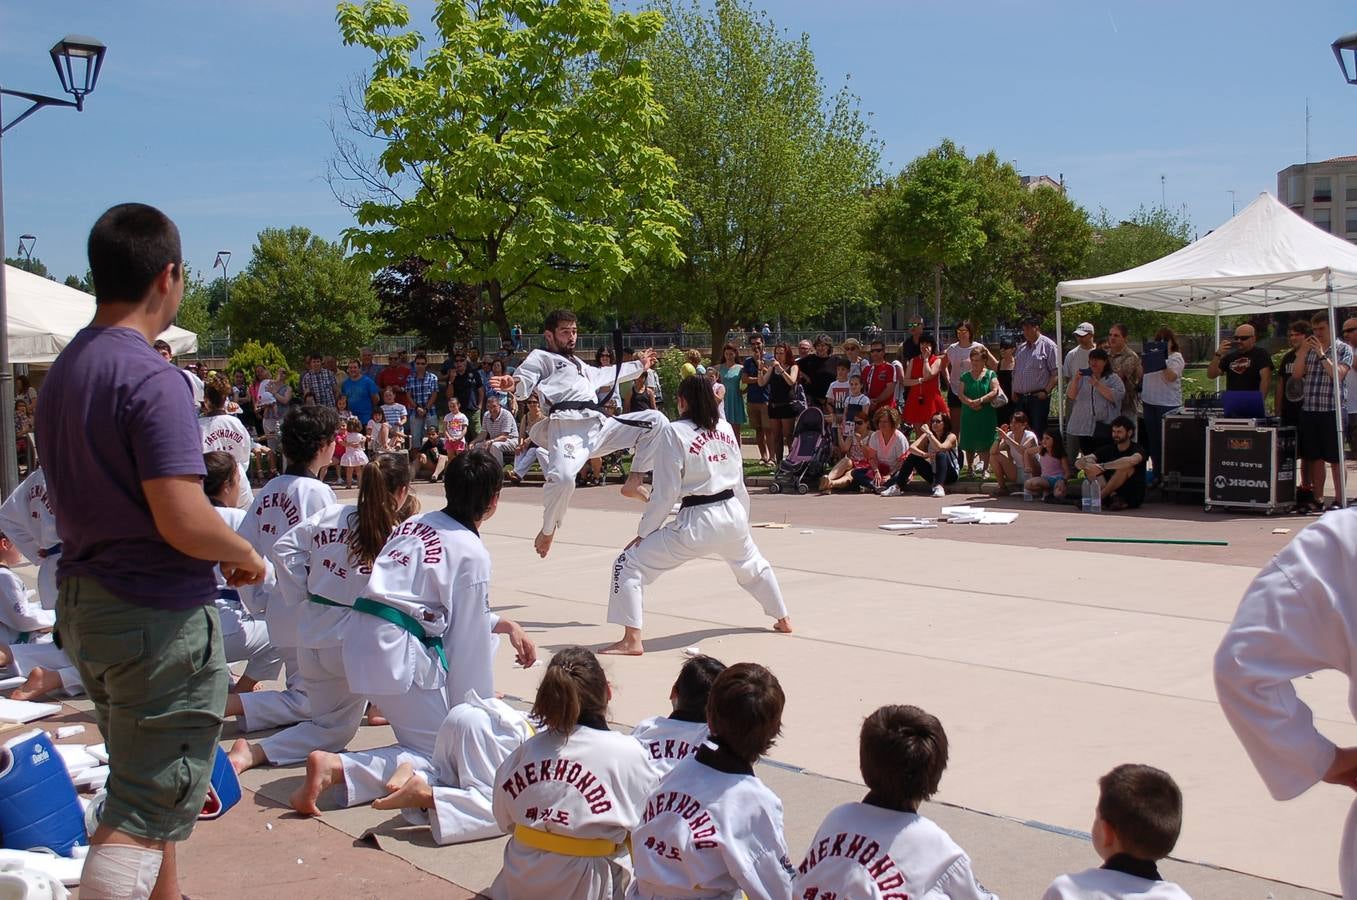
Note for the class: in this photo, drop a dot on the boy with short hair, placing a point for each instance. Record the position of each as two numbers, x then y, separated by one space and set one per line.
1139 815
712 828
881 847
857 403
676 736
837 393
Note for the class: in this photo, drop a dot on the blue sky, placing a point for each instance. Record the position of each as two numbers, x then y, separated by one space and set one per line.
217 112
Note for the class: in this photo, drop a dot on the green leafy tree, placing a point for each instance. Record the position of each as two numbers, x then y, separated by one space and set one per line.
85 284
302 293
1059 240
772 171
195 311
28 265
925 222
252 353
439 311
515 149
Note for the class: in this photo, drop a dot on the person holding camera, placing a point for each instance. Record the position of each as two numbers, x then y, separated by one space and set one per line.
1248 371
1095 396
1320 361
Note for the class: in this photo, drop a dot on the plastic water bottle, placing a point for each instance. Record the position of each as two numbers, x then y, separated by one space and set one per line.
1026 496
1087 502
1097 493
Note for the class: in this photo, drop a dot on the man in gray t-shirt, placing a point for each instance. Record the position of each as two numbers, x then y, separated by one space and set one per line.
124 463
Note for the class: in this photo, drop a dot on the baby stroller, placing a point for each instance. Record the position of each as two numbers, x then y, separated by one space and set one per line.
808 458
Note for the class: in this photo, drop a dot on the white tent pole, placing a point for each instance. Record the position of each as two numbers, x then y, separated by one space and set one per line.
1215 342
1341 488
1059 368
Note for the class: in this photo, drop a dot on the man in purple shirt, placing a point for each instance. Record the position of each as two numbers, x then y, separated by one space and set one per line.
124 462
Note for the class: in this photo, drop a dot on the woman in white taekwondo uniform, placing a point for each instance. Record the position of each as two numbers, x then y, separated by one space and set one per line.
322 567
570 796
576 428
223 431
698 460
1298 616
426 632
308 441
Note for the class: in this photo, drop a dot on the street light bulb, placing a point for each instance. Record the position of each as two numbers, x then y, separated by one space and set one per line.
78 59
1345 49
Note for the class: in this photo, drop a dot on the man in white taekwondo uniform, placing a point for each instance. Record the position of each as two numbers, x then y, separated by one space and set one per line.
575 428
308 440
698 460
26 518
423 632
1298 616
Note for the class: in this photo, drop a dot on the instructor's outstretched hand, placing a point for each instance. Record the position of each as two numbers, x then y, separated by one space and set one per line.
648 357
502 382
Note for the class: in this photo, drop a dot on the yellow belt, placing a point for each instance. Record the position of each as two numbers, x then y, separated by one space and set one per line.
564 844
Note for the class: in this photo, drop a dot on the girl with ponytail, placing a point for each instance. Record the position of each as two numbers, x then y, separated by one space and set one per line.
322 568
571 795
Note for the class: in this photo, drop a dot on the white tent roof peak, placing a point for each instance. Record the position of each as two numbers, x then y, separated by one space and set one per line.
1264 259
44 315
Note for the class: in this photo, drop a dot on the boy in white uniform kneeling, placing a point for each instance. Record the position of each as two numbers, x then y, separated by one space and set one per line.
712 829
676 736
902 753
1140 812
570 796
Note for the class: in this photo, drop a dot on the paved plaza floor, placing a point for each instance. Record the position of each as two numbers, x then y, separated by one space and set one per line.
1048 663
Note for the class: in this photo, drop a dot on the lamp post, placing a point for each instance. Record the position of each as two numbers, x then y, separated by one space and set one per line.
224 260
77 60
26 242
1345 48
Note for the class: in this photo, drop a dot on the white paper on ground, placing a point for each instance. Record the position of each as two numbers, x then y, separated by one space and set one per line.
94 778
62 868
98 751
11 681
994 517
76 757
20 711
962 510
901 527
917 520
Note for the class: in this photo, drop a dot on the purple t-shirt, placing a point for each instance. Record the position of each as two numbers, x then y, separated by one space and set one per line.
115 414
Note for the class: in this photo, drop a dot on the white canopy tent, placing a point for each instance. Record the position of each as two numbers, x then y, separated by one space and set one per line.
44 315
1265 259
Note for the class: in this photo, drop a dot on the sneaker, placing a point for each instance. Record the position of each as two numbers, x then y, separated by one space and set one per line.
891 491
938 491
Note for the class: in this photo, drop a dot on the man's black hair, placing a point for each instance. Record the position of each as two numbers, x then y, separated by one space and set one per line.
559 317
1124 422
471 483
128 247
304 432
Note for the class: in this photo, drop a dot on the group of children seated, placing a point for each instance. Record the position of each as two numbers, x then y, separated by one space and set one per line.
385 433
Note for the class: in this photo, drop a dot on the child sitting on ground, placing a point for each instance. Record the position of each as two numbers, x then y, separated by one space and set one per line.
1140 812
22 618
853 446
712 828
902 753
1055 469
671 738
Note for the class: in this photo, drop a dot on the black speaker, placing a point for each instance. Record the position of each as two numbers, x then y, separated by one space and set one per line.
1185 450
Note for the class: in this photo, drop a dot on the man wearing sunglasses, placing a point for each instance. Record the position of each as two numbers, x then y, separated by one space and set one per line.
878 380
1248 371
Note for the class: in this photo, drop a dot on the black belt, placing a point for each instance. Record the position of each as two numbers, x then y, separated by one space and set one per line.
580 405
51 551
230 594
704 499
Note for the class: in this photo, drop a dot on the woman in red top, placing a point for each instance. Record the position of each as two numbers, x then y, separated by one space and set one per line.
925 396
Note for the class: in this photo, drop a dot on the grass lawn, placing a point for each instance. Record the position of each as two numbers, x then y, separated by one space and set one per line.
1196 382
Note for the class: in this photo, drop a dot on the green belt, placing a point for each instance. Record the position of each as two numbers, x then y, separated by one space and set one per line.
325 601
396 617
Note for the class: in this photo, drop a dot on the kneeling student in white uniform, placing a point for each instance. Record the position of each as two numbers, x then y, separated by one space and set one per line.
882 848
22 618
677 736
571 795
1140 812
308 439
422 633
223 431
698 464
712 828
323 566
243 636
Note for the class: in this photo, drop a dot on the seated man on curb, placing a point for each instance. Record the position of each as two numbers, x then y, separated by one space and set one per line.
499 431
1014 453
1119 468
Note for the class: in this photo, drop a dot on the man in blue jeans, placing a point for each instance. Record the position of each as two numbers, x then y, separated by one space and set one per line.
135 583
1036 368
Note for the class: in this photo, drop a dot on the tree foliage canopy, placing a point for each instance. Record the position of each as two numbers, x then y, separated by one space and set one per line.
439 311
515 148
300 292
773 172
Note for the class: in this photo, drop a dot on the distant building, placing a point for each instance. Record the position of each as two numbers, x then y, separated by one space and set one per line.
1323 192
1032 182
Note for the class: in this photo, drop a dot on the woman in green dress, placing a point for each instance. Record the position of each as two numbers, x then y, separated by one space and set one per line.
978 419
731 370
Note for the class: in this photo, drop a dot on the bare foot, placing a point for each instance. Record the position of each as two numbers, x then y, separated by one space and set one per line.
399 777
630 645
245 756
543 544
414 793
40 682
375 716
783 625
233 706
323 770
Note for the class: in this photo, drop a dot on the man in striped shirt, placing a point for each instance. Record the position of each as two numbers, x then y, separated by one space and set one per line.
320 383
1036 367
499 431
421 386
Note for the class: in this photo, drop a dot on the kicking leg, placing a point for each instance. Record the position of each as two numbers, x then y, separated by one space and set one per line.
568 453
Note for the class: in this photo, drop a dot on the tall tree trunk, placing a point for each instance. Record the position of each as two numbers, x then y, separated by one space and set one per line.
495 302
720 326
937 307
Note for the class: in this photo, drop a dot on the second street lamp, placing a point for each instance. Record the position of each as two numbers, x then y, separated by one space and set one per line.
1344 49
26 242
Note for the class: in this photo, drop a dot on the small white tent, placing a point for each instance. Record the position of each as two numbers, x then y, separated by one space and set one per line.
44 315
1265 259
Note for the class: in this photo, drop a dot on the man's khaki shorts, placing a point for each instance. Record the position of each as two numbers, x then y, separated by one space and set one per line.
758 416
158 679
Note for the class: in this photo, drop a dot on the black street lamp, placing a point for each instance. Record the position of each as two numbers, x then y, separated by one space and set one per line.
77 59
1347 44
224 260
26 242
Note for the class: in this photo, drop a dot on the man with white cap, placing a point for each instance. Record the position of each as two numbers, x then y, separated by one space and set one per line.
1075 360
